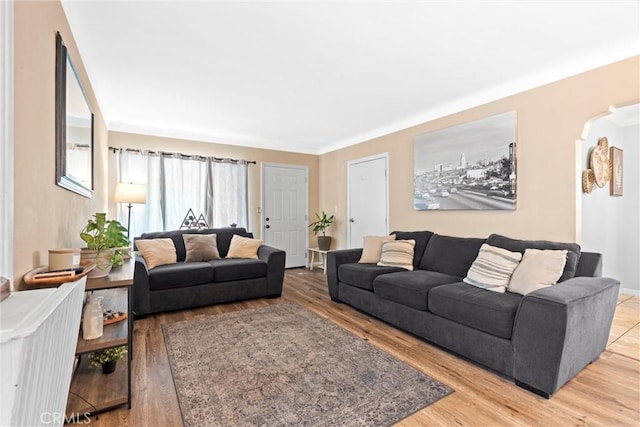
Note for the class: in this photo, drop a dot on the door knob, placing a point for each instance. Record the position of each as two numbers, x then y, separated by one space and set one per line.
266 219
267 226
352 220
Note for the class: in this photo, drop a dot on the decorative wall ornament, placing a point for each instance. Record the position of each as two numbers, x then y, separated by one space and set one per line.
599 172
471 166
615 155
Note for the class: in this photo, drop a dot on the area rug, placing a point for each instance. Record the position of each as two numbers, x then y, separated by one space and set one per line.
283 365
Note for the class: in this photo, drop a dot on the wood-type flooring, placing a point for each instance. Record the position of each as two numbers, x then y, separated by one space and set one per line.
606 393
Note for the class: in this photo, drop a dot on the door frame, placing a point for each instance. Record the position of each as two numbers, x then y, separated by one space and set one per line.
384 156
306 196
6 141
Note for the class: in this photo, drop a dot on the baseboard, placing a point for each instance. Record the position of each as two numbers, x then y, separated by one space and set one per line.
628 291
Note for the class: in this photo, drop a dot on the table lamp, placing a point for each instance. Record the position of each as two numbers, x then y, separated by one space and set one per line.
130 193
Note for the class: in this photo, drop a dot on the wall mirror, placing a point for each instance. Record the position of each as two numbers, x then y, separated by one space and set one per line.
74 127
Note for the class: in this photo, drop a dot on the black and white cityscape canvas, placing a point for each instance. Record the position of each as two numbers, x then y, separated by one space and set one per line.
470 166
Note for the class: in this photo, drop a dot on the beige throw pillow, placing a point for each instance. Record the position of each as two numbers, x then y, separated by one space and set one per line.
372 248
157 251
538 269
200 247
398 253
493 268
244 247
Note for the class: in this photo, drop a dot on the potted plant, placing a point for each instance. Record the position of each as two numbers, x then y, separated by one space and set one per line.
320 225
102 236
107 358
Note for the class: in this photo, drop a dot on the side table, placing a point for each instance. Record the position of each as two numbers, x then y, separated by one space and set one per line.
322 259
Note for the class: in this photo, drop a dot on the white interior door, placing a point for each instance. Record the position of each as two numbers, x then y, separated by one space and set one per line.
284 215
368 195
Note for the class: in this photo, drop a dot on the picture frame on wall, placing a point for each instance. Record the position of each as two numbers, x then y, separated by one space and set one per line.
470 166
616 181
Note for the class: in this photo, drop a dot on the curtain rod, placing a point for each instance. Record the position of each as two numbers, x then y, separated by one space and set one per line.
184 156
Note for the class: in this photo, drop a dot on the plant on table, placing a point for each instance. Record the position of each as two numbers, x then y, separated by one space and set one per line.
103 235
320 225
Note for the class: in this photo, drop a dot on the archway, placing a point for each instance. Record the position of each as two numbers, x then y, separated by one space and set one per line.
611 224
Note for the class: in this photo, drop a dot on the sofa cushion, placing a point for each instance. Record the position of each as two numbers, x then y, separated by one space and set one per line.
538 269
493 268
372 248
421 238
180 275
200 247
244 247
573 250
362 275
398 253
157 252
225 270
450 255
410 288
477 308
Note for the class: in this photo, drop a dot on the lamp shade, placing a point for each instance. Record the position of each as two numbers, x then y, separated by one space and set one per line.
130 193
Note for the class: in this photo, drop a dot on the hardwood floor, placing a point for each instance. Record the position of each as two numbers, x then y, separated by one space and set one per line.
606 393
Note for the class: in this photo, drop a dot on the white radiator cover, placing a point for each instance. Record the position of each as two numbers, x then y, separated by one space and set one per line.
38 339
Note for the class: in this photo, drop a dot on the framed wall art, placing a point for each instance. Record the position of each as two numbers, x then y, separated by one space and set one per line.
471 166
615 155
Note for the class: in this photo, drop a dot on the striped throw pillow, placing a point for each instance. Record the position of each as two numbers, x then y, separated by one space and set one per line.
398 253
493 268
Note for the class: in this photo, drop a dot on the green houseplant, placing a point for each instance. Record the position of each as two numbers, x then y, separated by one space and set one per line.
102 237
320 225
107 358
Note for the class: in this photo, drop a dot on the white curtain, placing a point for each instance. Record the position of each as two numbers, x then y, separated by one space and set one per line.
217 189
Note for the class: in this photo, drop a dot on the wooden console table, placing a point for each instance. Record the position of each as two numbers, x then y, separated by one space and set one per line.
91 391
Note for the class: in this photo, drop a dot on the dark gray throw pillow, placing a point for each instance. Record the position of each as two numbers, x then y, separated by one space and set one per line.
517 245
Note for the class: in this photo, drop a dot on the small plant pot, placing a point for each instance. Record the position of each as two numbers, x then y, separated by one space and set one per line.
102 261
324 243
109 367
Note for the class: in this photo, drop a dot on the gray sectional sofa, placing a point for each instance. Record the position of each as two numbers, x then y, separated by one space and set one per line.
541 340
193 284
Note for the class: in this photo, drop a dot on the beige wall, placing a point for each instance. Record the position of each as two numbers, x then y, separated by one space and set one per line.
550 121
130 140
46 216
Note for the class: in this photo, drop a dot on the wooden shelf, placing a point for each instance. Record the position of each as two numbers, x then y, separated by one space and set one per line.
114 334
101 391
119 276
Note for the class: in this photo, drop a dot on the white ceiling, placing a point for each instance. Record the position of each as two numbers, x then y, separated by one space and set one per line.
312 77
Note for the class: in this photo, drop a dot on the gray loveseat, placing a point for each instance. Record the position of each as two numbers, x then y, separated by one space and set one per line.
193 284
541 340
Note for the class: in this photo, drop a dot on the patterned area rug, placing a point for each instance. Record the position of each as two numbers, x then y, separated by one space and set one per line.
284 365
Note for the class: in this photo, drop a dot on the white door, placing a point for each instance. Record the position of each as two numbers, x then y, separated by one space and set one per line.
368 194
284 215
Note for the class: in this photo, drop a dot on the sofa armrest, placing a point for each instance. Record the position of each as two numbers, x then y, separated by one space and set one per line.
560 329
141 300
275 259
334 260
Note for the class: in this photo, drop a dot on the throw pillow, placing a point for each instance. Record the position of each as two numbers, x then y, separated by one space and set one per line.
398 253
244 247
157 251
372 248
200 247
493 268
538 269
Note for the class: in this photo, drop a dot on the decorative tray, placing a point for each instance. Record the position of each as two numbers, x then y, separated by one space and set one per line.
51 282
